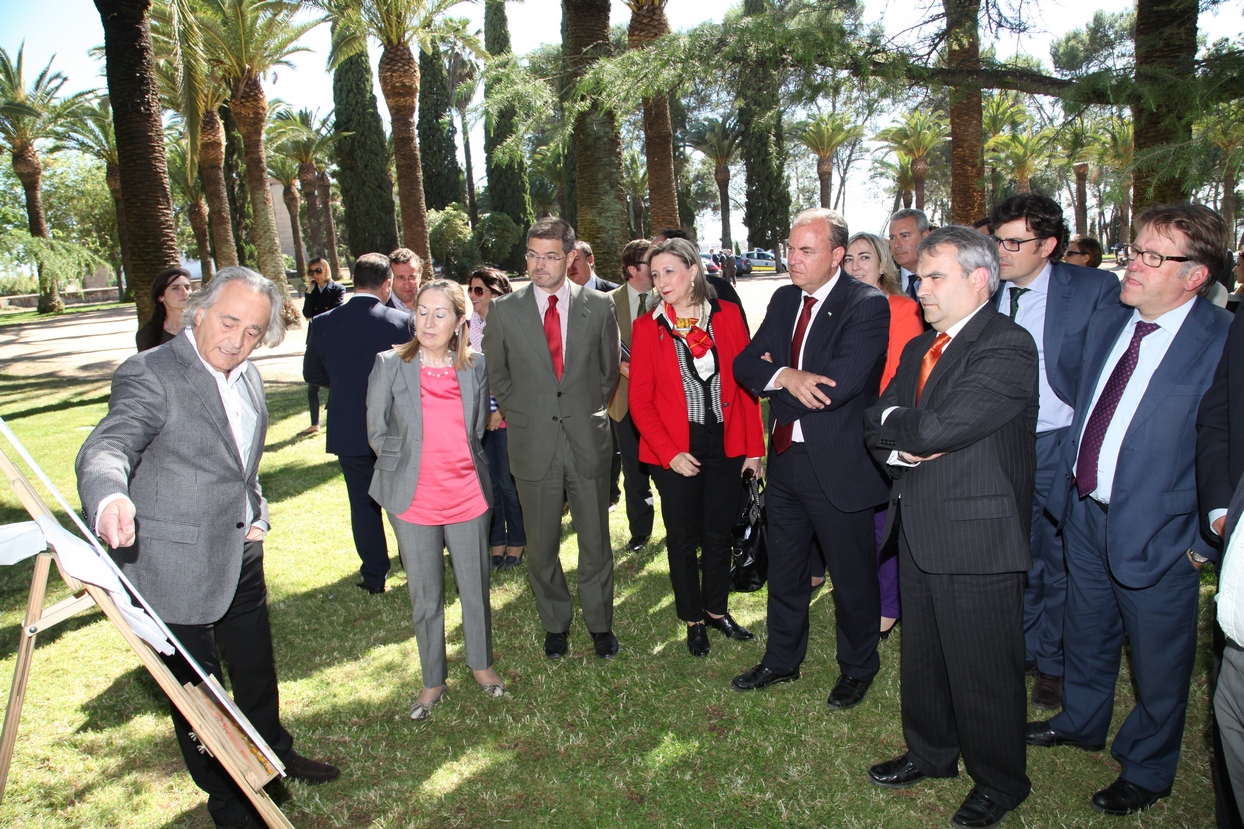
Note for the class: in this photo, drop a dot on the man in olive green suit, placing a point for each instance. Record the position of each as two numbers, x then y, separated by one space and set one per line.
553 355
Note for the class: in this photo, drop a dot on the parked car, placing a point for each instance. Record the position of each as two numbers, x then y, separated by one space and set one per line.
710 267
761 259
742 267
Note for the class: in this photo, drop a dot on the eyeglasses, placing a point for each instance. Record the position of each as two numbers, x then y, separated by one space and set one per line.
548 258
1151 258
315 270
477 290
1013 244
1071 252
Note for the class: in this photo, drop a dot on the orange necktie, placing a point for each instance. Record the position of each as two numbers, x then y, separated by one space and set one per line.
929 360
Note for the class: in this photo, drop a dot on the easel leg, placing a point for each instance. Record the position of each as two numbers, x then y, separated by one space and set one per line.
21 672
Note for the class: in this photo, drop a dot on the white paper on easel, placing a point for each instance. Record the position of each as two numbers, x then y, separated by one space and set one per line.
20 541
83 562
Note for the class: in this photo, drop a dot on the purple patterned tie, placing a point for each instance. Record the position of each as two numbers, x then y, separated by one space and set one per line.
1099 420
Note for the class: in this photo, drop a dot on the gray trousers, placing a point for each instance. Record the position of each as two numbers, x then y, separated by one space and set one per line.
420 548
542 518
1229 709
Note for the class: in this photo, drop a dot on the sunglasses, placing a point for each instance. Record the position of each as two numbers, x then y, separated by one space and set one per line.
315 270
1075 253
476 290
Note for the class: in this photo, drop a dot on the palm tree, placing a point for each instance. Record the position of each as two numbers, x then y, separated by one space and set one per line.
187 187
919 134
92 133
1116 152
899 173
1223 127
1020 154
324 189
30 115
1002 112
549 163
463 71
136 118
635 183
396 25
823 135
308 141
1075 142
245 40
718 141
649 23
285 170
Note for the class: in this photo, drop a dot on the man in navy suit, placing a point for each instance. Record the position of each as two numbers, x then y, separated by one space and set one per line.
341 349
818 356
1054 302
1129 504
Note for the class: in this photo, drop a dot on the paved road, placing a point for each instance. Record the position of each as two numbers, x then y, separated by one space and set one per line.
92 344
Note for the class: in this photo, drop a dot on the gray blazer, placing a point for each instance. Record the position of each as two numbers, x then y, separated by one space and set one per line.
166 444
537 405
395 427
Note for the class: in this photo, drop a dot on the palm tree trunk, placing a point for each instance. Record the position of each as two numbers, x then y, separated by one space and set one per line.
310 190
197 213
722 174
469 182
289 194
130 67
1125 207
967 162
1080 169
1023 185
919 172
29 172
825 172
250 109
112 175
325 192
648 23
212 171
399 83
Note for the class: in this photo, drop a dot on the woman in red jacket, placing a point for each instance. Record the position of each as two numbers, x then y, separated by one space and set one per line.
698 429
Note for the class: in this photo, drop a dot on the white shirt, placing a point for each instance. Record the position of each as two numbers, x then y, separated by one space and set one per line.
951 333
563 308
1230 585
1054 413
819 295
1152 350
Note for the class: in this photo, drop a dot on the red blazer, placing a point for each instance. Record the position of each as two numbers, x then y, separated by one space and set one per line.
658 401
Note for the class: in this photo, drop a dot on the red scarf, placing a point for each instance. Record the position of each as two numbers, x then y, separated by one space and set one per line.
697 338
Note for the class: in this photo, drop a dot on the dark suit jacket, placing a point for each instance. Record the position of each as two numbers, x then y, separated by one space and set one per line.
726 291
847 343
1153 519
166 444
603 285
1220 426
968 511
1075 294
318 300
341 349
537 405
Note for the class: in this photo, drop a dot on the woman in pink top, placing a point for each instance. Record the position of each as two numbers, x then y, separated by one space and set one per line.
427 407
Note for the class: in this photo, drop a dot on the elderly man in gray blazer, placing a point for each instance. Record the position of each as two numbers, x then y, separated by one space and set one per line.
169 480
553 354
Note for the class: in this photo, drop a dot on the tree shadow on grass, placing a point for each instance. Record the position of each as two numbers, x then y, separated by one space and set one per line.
60 406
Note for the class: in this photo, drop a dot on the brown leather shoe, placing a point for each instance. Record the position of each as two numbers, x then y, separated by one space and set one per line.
1047 692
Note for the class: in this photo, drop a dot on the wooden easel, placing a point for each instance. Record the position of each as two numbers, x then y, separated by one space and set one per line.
216 728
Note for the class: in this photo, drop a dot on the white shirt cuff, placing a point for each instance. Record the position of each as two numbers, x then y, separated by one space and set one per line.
1214 515
886 413
772 386
895 460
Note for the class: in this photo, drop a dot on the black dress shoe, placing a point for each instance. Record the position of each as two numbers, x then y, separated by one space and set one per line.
637 543
310 771
895 774
697 639
848 692
885 634
731 628
761 677
978 812
557 645
1123 797
1047 692
606 644
1040 734
370 588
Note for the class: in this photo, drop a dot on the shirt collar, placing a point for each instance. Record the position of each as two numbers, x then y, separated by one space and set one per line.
1169 322
562 294
953 331
820 293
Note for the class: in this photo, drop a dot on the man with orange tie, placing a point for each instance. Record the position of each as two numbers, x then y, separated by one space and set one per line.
818 357
956 431
553 353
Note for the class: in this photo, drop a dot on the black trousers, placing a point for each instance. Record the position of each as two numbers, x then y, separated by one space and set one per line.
963 675
635 479
366 518
798 513
243 640
698 513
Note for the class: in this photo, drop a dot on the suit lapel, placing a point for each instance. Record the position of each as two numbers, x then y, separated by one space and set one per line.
466 387
576 330
408 393
622 302
254 388
827 315
956 350
1057 301
204 386
1185 352
1094 366
534 329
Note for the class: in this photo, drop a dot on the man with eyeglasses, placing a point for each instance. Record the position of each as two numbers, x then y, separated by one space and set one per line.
1128 504
324 294
553 353
407 268
1053 300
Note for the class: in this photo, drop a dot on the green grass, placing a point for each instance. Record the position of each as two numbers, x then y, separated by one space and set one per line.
25 315
653 738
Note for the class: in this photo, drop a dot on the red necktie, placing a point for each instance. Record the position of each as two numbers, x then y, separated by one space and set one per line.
929 360
1099 420
553 333
783 433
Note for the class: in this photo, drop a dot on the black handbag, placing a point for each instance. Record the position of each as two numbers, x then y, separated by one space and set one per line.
749 562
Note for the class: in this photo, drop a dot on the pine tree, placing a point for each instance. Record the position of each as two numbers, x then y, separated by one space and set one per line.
362 161
766 209
438 149
508 191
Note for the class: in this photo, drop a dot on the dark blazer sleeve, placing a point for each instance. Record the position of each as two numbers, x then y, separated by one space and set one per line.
313 370
726 291
1215 483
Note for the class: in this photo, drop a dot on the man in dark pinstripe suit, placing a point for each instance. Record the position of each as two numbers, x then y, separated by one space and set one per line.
956 429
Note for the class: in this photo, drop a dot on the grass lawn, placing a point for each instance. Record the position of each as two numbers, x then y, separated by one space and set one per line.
653 738
21 316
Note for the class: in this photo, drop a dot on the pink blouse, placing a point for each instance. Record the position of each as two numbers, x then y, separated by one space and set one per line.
448 491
